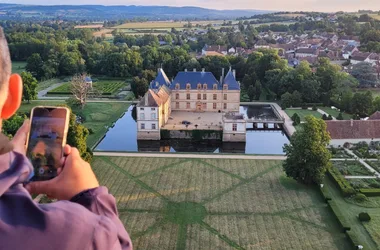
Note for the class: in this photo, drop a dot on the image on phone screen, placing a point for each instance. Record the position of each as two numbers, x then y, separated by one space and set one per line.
46 141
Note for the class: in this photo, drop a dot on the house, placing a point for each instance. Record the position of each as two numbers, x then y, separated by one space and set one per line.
348 51
358 57
311 60
234 127
211 50
88 80
375 116
232 50
306 52
350 40
190 91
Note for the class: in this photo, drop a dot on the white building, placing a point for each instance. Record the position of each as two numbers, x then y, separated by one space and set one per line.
234 127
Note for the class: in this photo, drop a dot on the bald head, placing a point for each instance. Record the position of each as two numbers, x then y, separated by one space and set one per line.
5 61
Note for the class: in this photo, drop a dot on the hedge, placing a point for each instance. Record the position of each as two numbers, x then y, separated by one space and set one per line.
343 185
370 192
338 215
325 194
353 239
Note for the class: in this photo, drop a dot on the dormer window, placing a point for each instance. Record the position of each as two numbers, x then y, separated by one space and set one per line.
225 86
199 86
177 86
215 87
188 86
205 86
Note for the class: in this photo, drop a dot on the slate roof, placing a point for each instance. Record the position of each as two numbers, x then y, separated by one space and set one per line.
360 56
354 129
88 79
231 81
154 98
194 78
307 51
161 79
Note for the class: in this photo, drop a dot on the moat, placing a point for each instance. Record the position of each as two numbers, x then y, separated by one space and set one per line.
123 137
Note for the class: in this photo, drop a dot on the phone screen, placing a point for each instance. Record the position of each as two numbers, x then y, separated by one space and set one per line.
46 139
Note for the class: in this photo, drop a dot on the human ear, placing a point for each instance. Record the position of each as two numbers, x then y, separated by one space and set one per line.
13 101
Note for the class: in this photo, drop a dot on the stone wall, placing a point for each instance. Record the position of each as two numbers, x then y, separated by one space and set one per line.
148 135
237 137
191 134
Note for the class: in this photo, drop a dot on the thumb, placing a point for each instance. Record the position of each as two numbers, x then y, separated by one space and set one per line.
19 140
40 187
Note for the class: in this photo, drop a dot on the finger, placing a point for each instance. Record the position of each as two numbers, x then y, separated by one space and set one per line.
19 140
66 153
40 187
66 150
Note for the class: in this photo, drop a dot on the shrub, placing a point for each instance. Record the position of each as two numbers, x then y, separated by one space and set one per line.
296 119
364 216
315 107
333 150
360 198
91 131
340 117
324 117
344 186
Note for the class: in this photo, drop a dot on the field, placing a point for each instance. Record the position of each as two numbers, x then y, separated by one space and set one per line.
291 15
18 67
303 113
375 91
89 26
106 87
150 25
98 116
335 113
173 203
351 168
375 16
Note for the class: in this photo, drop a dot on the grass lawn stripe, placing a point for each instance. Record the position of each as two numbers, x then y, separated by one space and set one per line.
220 170
139 182
174 164
182 237
150 229
221 236
136 210
245 181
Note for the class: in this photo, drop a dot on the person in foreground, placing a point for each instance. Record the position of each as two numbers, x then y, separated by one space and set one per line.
86 215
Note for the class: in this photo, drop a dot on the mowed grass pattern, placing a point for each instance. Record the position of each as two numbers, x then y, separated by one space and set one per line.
216 204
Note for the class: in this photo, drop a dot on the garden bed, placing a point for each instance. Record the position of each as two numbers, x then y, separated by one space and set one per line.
364 183
354 168
105 87
374 164
339 153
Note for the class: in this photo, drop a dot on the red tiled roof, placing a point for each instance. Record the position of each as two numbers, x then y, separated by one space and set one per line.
353 129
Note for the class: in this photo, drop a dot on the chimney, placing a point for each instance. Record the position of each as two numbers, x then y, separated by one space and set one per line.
352 122
185 70
203 69
146 99
158 70
222 76
194 70
234 73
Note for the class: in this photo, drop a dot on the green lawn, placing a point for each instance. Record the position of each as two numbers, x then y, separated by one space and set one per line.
351 168
98 116
18 67
303 113
178 203
335 113
373 227
45 84
350 212
106 87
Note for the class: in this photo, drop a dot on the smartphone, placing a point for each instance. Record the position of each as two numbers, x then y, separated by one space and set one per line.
46 139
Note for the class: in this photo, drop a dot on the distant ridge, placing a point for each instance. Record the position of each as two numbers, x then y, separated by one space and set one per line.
120 11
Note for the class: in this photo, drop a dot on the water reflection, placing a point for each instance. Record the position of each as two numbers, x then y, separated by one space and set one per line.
123 137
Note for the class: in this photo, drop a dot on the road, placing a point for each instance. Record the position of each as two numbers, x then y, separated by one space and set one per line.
198 156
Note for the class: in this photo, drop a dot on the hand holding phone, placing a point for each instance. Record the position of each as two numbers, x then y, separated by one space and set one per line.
47 136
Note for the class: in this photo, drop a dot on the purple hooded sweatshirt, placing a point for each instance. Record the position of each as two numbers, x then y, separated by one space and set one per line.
88 221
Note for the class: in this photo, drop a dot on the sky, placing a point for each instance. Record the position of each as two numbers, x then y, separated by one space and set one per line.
283 5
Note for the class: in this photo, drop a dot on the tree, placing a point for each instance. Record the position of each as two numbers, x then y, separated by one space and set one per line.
296 119
365 74
11 125
82 90
362 104
34 65
296 99
346 101
139 86
340 116
29 86
258 90
286 100
376 104
324 117
251 92
307 154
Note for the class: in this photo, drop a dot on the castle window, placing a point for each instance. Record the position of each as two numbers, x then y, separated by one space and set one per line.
188 105
188 86
177 86
214 97
153 115
141 108
205 86
142 116
234 127
177 105
188 96
225 96
214 105
215 87
199 86
205 105
142 126
177 96
225 87
204 96
225 105
153 126
199 96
